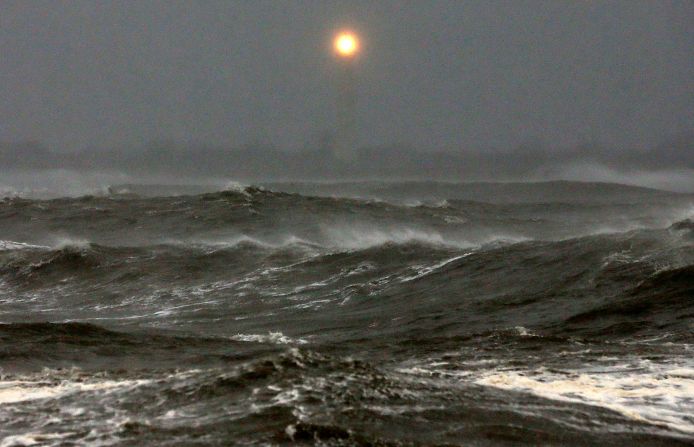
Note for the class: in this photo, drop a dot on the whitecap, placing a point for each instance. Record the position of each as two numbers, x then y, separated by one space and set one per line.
12 245
20 391
271 337
655 394
30 438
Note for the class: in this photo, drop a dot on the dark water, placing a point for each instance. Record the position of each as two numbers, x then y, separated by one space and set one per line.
251 317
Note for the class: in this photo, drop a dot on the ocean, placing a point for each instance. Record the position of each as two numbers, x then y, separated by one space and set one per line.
354 314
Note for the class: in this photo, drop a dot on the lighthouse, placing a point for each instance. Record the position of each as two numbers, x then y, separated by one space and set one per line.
346 47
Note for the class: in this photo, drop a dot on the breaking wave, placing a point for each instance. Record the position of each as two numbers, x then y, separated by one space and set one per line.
263 317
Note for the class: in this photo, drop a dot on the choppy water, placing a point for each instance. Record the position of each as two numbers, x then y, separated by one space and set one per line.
251 317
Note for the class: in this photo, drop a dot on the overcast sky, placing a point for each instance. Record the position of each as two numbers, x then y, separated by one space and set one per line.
432 75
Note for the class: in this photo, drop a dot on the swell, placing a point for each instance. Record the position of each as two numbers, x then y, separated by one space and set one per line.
38 267
29 264
609 286
306 396
25 260
276 260
274 217
252 316
664 301
35 346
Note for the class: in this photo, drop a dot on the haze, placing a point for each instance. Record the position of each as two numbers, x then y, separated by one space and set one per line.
604 84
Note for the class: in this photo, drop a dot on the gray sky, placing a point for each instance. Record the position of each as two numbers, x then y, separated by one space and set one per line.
433 74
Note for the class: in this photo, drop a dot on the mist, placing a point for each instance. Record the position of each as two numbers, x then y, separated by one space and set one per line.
102 92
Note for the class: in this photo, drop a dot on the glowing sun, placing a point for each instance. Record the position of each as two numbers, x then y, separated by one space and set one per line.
346 44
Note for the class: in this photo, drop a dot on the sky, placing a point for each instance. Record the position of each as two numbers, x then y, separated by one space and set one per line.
432 75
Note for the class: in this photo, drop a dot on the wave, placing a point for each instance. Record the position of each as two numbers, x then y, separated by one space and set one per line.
626 389
360 236
272 216
663 300
74 253
15 391
306 396
32 347
30 266
261 255
269 317
233 242
12 245
270 337
607 285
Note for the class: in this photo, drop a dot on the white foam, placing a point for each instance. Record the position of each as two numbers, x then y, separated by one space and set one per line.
427 270
235 186
27 439
12 245
523 332
237 240
360 237
398 410
70 242
656 394
20 391
351 238
271 337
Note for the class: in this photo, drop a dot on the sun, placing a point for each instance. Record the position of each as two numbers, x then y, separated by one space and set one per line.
346 44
